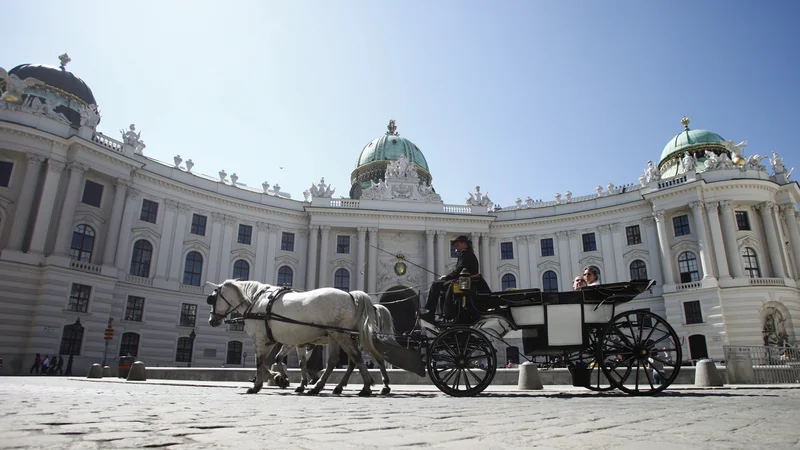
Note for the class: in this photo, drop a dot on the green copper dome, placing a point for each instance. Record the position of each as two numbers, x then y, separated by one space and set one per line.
689 139
390 147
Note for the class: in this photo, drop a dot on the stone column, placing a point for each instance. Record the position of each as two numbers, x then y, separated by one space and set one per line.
64 233
716 238
782 239
524 261
112 232
272 249
702 239
311 264
789 210
619 241
607 250
663 243
574 257
162 266
429 258
324 263
533 261
476 238
177 243
123 244
22 212
212 268
772 239
261 252
360 257
729 238
564 260
442 255
654 270
373 260
46 202
487 256
225 268
491 273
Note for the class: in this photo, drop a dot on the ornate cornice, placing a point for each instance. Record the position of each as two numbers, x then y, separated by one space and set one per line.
712 207
696 206
217 217
54 165
230 220
725 205
171 204
325 229
184 208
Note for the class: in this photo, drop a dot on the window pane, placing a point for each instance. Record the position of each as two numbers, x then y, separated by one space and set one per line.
79 298
550 281
199 224
188 315
140 260
245 234
341 280
742 220
589 243
5 173
751 263
184 350
547 247
285 276
149 211
634 235
134 308
509 281
92 193
82 243
287 242
506 250
681 225
638 270
71 339
241 270
129 345
687 266
234 353
692 311
193 269
343 244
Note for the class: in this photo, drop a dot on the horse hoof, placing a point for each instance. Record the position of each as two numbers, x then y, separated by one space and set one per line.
299 389
313 392
337 390
252 391
284 383
364 393
386 390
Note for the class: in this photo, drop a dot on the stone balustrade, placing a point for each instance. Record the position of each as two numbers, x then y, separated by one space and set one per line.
85 267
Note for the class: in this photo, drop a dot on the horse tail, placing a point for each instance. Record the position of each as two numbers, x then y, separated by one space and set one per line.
368 318
386 323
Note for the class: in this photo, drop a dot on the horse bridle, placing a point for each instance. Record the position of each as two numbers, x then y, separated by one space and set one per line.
212 300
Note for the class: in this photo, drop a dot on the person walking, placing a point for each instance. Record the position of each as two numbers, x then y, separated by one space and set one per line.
36 364
45 365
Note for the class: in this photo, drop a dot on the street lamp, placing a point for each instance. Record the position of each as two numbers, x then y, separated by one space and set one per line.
192 335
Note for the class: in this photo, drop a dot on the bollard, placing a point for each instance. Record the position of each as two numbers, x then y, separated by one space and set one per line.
138 372
96 371
529 377
706 374
106 371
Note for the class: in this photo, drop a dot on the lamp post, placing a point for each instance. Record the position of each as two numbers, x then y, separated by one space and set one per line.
192 335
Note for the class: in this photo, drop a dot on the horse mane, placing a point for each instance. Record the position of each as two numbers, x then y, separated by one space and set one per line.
249 289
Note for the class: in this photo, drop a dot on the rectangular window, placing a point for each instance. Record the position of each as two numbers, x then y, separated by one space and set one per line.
453 252
547 247
149 211
79 298
92 193
134 308
589 243
742 221
343 244
634 235
692 311
5 173
287 242
681 225
245 234
199 224
188 315
506 250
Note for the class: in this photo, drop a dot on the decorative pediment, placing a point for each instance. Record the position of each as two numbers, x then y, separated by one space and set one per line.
684 246
287 260
508 268
342 263
544 266
748 241
243 253
197 245
591 261
634 255
88 217
147 233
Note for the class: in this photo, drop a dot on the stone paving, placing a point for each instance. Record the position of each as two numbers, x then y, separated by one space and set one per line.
49 412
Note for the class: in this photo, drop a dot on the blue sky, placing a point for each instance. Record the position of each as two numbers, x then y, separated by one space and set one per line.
524 98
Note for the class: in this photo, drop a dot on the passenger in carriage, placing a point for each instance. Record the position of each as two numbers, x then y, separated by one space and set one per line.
466 260
590 278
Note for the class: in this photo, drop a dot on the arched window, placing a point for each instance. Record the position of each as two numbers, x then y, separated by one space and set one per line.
687 266
140 260
193 269
509 281
234 353
341 280
285 276
184 351
71 339
129 345
638 270
82 243
241 270
751 263
550 281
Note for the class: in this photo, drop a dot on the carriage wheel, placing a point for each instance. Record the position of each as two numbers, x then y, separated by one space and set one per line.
461 362
586 359
639 353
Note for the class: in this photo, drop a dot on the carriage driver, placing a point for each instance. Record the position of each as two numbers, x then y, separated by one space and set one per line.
466 260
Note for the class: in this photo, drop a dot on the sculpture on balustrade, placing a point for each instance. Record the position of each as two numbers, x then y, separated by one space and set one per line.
736 151
777 164
265 186
234 179
178 160
558 198
189 165
689 162
754 162
599 189
276 190
321 190
479 199
90 116
306 194
725 162
15 87
568 196
712 161
222 175
518 202
130 136
610 188
651 173
528 201
401 168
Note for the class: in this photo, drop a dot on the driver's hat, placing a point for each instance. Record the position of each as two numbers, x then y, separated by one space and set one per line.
463 238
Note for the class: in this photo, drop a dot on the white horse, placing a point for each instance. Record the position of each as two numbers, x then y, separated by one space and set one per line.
300 318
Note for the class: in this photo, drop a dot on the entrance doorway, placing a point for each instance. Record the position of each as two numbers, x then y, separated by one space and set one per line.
697 347
403 303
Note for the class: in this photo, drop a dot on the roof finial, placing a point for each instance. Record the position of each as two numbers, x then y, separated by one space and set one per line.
392 128
65 59
685 121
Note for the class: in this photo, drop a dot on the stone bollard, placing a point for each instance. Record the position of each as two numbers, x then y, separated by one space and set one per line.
96 371
106 371
706 374
529 377
138 372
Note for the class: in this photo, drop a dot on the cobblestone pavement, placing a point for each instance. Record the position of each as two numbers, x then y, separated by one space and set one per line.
45 412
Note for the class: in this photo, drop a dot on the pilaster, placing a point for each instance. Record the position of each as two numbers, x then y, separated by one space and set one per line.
729 239
131 207
702 239
65 223
112 231
716 238
24 205
47 200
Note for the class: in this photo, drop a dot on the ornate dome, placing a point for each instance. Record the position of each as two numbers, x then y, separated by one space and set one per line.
379 153
690 140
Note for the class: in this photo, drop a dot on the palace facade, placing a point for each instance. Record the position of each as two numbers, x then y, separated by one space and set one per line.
94 234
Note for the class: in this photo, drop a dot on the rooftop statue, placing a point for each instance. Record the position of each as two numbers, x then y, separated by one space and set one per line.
15 87
132 138
222 174
401 168
392 128
754 162
178 160
321 190
90 116
651 173
189 165
689 162
712 161
777 164
736 151
478 199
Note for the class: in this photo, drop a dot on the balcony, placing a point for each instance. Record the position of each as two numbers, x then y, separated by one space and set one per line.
85 266
190 289
689 286
767 282
138 280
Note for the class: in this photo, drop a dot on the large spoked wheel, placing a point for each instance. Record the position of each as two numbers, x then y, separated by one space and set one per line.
461 362
639 353
584 367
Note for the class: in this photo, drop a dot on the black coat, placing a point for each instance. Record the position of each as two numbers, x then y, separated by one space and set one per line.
466 260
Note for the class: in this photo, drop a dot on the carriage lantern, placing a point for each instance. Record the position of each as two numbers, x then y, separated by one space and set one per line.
464 280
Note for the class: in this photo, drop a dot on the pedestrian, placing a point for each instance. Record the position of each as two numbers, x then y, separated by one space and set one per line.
656 361
45 365
36 364
60 365
68 371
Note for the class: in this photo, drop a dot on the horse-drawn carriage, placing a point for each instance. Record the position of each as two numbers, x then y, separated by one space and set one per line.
635 351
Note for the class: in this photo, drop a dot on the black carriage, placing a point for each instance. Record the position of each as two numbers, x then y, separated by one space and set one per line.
635 351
